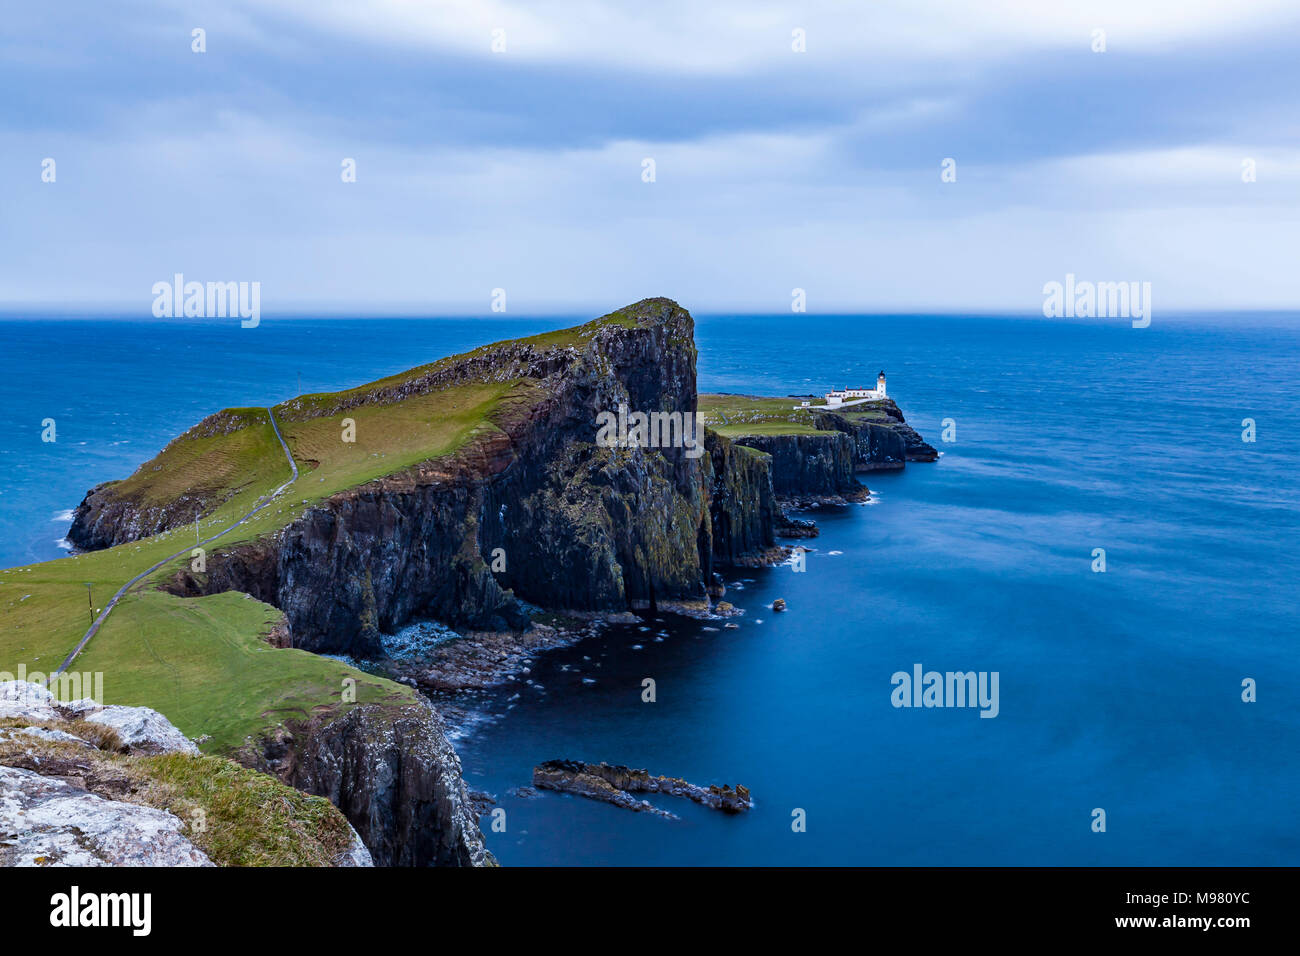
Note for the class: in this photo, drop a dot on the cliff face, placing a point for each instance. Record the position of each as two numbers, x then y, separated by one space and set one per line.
742 505
810 465
395 777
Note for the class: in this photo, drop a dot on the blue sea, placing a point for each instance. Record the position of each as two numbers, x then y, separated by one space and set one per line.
1119 690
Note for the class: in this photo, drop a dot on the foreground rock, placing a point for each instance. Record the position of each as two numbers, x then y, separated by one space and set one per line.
141 729
616 784
47 822
83 785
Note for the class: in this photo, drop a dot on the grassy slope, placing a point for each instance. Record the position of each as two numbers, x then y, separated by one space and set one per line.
736 415
210 469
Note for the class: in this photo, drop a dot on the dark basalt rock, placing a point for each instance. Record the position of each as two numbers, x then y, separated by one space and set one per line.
791 527
880 446
394 775
810 465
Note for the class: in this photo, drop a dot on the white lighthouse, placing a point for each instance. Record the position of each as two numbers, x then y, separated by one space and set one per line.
855 396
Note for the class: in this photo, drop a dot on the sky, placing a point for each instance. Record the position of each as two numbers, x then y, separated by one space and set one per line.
523 167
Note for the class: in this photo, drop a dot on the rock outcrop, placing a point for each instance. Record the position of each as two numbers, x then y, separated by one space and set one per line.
616 784
393 774
141 729
137 730
47 822
84 785
882 442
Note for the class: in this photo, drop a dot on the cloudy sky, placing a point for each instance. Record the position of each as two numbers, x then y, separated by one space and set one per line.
774 169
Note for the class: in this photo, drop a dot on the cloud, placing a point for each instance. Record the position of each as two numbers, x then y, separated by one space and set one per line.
523 170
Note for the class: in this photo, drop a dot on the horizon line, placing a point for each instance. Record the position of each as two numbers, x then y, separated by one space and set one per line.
73 313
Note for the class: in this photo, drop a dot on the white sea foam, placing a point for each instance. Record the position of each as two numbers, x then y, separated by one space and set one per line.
65 515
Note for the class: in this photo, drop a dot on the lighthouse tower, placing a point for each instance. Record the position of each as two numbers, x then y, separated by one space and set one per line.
880 384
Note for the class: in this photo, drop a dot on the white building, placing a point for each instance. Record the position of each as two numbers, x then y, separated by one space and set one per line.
840 396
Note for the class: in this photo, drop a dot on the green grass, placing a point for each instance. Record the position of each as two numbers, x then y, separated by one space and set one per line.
210 468
389 438
172 653
248 818
738 415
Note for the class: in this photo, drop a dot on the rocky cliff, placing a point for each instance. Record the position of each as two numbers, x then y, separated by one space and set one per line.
743 512
393 774
534 510
811 466
882 441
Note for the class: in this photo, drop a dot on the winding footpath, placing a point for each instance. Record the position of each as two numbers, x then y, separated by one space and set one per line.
263 502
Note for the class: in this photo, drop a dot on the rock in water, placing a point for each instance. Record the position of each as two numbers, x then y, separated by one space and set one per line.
778 604
616 784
